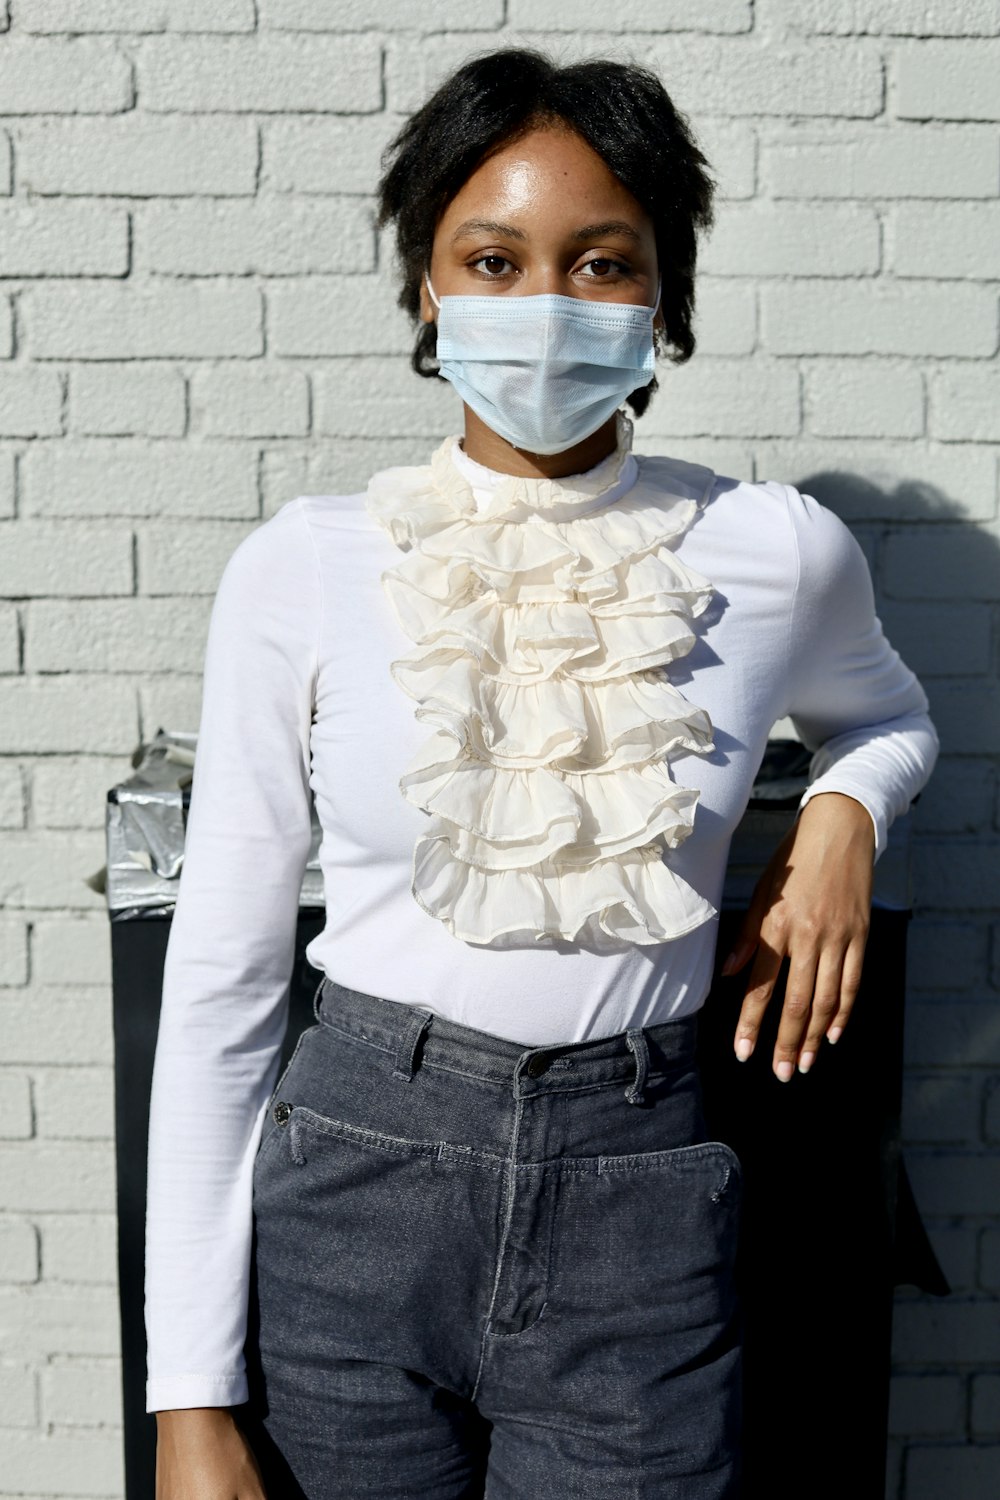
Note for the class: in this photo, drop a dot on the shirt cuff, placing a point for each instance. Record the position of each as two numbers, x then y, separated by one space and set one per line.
172 1392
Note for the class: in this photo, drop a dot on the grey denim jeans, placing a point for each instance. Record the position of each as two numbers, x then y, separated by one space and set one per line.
488 1269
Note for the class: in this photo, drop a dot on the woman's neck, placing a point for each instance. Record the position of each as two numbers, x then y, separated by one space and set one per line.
488 448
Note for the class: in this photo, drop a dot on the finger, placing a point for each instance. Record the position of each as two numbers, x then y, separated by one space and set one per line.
850 983
763 977
795 1011
825 1003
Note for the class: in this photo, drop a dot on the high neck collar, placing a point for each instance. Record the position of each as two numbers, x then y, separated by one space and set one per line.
493 492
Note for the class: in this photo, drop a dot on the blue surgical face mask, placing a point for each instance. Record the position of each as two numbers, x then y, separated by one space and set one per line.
544 371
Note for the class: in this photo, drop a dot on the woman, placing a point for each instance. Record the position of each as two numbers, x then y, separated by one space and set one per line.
476 1232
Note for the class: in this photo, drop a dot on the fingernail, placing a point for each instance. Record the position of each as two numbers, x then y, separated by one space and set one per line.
834 1033
806 1061
744 1047
785 1071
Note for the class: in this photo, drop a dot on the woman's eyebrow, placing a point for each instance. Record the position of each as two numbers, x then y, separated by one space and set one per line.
487 226
609 226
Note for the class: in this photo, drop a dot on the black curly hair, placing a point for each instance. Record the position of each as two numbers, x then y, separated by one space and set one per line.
620 109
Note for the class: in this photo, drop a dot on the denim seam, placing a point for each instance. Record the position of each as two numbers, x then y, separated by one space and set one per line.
510 1164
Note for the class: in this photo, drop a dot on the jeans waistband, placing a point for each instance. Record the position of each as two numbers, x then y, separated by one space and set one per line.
417 1036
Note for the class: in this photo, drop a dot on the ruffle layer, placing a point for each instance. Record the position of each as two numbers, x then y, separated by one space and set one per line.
543 622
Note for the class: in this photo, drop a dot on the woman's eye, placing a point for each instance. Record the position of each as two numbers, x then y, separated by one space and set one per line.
605 266
492 264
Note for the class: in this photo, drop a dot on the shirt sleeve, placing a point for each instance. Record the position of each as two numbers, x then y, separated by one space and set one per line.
229 960
852 699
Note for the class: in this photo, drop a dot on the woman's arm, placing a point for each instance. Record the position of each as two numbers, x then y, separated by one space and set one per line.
228 963
863 713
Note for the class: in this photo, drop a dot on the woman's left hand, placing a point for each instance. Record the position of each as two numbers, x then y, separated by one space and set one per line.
813 904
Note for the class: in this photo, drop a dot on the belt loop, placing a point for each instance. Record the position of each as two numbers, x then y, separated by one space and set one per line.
635 1040
410 1040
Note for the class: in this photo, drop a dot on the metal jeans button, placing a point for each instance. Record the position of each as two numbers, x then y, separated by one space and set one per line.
281 1111
537 1065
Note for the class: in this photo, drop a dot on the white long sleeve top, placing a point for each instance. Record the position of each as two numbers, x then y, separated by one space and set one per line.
298 702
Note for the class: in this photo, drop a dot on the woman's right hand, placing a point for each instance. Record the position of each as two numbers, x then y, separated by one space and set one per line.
202 1454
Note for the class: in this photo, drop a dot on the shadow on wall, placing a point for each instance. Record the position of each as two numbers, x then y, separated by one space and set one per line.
937 583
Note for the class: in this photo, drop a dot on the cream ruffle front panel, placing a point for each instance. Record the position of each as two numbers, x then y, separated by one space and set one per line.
543 623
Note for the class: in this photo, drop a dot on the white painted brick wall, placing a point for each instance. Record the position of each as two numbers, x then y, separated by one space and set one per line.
198 321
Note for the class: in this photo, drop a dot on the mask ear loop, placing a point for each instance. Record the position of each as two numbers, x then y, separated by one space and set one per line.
430 290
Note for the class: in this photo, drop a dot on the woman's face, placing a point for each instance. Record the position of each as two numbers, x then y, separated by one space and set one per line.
544 214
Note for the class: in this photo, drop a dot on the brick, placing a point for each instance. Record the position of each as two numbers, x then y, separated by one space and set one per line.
264 73
49 870
31 401
71 792
44 1319
889 17
13 950
386 15
725 320
326 155
971 1471
12 797
772 239
948 81
137 155
897 161
284 236
16 1120
754 78
868 481
73 76
732 459
966 1033
137 322
75 1103
944 955
991 1111
115 635
170 703
236 400
72 1174
989 1260
955 1248
64 239
71 1023
82 1393
10 644
18 1394
68 949
946 240
955 875
134 15
337 316
965 403
716 397
18 1252
364 398
954 1183
946 1333
49 714
630 15
109 477
948 562
127 399
926 1405
864 398
938 1108
6 351
171 561
925 636
985 1405
79 1248
79 1464
65 557
813 317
